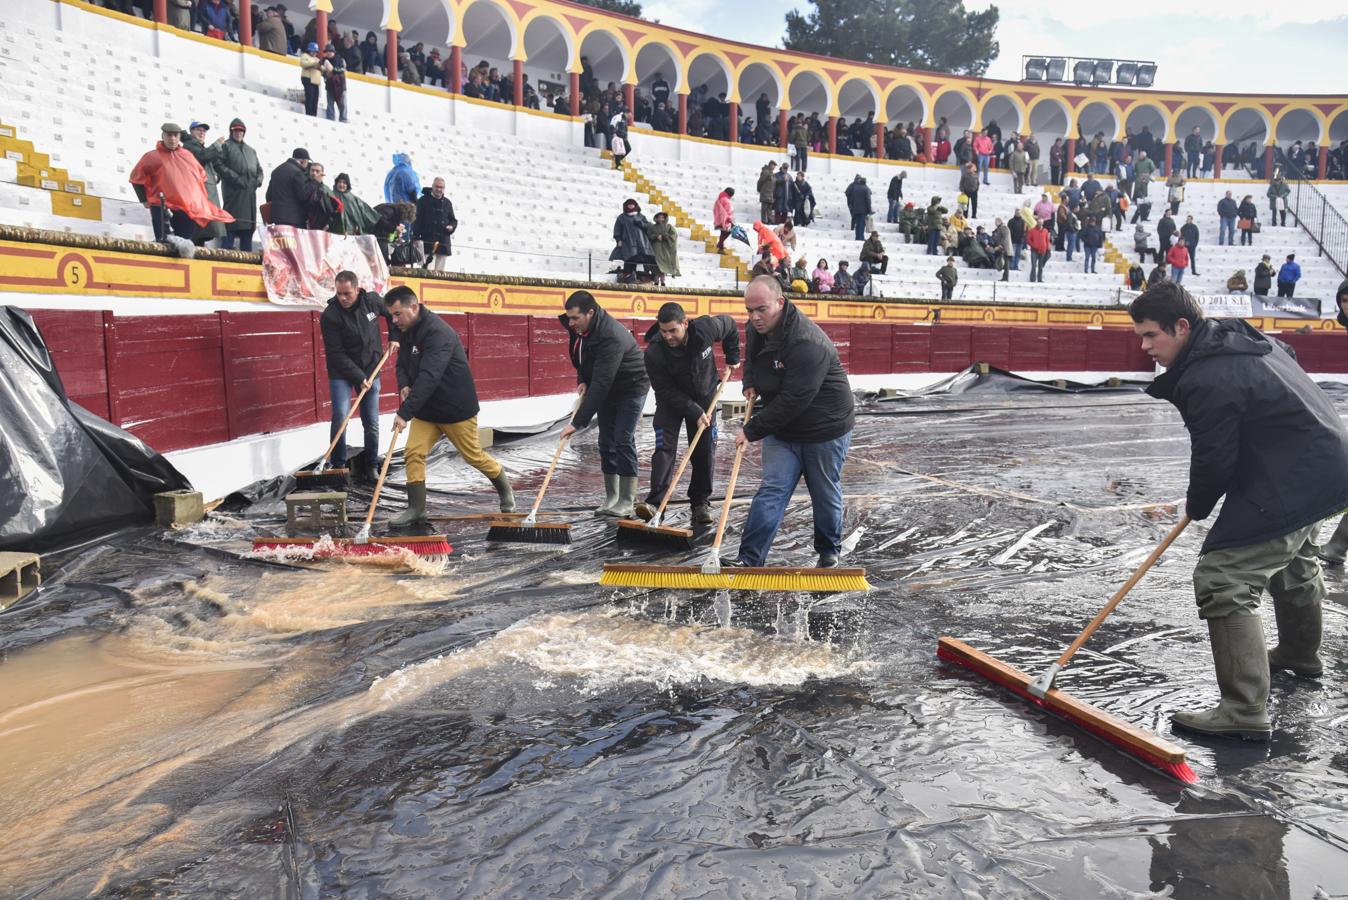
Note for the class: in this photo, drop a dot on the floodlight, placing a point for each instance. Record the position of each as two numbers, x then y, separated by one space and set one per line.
1146 74
1104 68
1035 68
1125 73
1084 71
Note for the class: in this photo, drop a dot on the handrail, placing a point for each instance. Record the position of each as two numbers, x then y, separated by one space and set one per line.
1320 219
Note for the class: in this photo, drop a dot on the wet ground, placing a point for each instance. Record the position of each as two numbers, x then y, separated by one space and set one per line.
180 722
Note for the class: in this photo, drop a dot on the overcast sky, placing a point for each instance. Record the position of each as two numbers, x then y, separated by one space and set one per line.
1199 45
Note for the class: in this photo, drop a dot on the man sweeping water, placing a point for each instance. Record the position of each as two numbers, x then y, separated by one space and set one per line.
1265 437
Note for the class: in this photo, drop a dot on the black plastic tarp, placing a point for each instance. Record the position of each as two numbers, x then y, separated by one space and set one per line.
68 474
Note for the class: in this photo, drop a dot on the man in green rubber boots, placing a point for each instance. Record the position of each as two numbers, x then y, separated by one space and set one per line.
1263 435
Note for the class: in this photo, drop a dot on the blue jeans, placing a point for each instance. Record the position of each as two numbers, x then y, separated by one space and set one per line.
859 226
341 391
1016 250
1177 274
983 166
783 464
335 106
244 237
1226 231
893 216
1090 259
933 240
1071 242
618 418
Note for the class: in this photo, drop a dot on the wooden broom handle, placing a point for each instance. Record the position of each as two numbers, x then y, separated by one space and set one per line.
341 432
383 471
692 445
730 486
552 467
1123 591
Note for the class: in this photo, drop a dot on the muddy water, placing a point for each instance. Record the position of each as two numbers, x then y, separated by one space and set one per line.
180 722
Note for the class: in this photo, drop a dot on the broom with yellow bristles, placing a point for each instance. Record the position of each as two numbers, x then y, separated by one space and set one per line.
710 575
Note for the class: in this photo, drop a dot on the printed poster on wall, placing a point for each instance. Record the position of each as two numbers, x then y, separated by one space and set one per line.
300 266
1216 306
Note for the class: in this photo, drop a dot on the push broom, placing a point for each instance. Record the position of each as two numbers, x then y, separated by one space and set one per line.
1151 749
529 530
362 544
321 476
655 531
710 575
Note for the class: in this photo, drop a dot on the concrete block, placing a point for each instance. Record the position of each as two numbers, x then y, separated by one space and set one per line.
176 508
732 408
312 513
20 575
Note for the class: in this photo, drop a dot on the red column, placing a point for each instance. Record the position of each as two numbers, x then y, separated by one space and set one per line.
1217 163
1069 150
575 94
1169 159
683 114
1323 166
630 101
391 54
161 11
733 116
455 80
879 140
246 22
517 83
321 30
1268 162
927 154
781 128
832 134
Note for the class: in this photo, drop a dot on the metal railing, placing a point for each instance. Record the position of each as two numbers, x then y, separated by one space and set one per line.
1321 220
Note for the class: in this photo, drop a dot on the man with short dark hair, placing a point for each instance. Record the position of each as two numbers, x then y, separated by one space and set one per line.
437 397
353 346
289 190
1288 276
1249 408
803 418
1227 211
682 368
858 205
611 379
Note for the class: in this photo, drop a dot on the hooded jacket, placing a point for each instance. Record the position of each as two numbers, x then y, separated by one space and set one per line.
351 341
402 183
433 363
685 378
288 192
180 178
1262 433
240 177
804 393
631 238
858 198
723 213
607 361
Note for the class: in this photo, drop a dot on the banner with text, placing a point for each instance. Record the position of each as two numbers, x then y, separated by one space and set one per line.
300 266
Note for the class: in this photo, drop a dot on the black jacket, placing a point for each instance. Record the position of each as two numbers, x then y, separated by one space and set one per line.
1189 234
1165 228
434 217
1017 228
288 193
803 391
1262 434
858 199
351 336
608 362
685 378
1227 207
433 363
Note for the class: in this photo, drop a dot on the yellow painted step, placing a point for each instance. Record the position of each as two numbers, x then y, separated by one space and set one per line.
76 206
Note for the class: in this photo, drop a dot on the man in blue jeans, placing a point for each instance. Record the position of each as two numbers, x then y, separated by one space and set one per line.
803 418
351 340
611 379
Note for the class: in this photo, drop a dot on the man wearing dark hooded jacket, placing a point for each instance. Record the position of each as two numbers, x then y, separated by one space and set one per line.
352 346
682 369
1266 438
611 379
803 417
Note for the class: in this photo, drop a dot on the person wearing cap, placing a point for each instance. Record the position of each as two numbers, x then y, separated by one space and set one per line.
665 240
208 155
289 189
240 177
1263 276
172 184
271 33
335 81
311 76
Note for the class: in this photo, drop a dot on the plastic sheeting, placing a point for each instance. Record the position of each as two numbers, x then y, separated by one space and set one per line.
68 474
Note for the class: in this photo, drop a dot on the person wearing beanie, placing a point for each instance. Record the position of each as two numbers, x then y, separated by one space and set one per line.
334 81
240 177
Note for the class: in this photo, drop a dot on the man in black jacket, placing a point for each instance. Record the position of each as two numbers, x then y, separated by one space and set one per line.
682 369
438 398
351 342
289 189
1267 438
858 205
803 415
611 379
435 224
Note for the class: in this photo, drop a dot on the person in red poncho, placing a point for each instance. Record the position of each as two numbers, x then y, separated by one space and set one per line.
170 176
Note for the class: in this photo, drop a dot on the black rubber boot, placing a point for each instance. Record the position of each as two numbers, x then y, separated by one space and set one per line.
1299 630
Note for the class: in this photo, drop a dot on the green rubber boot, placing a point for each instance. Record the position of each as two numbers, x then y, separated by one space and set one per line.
610 496
1335 550
504 491
1299 630
415 514
624 507
1239 658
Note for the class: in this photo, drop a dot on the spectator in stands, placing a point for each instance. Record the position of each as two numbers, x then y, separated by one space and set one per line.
781 195
800 277
1091 188
1238 283
240 177
1143 170
766 265
632 243
1278 191
1141 244
910 224
402 184
1189 235
271 33
1175 190
311 76
1193 152
435 225
356 216
801 197
786 233
350 52
842 281
324 209
935 213
1019 163
180 14
1137 278
350 326
895 197
1157 274
370 58
1039 243
969 187
799 138
822 278
618 146
1165 230
766 178
334 79
665 242
1015 230
858 205
873 253
288 190
1288 276
171 183
981 145
195 143
723 216
1263 276
1247 213
1092 239
973 253
217 20
948 276
408 73
1178 257
1069 228
1227 210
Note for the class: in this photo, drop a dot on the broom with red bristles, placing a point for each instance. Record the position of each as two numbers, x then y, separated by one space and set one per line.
1149 748
362 544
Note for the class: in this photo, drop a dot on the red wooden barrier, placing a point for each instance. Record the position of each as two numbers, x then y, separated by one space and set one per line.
500 355
910 344
992 346
76 342
951 347
269 376
841 335
1029 349
871 349
550 369
1067 351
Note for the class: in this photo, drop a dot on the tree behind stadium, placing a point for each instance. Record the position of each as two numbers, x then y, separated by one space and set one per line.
921 34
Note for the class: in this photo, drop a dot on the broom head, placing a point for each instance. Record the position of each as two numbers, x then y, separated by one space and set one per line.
645 532
328 479
1151 749
735 579
515 532
421 545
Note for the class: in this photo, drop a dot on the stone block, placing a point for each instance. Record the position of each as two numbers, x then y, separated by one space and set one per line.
176 508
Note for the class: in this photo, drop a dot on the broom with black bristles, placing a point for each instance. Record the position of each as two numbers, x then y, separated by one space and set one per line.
528 530
710 575
655 531
321 476
1151 749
